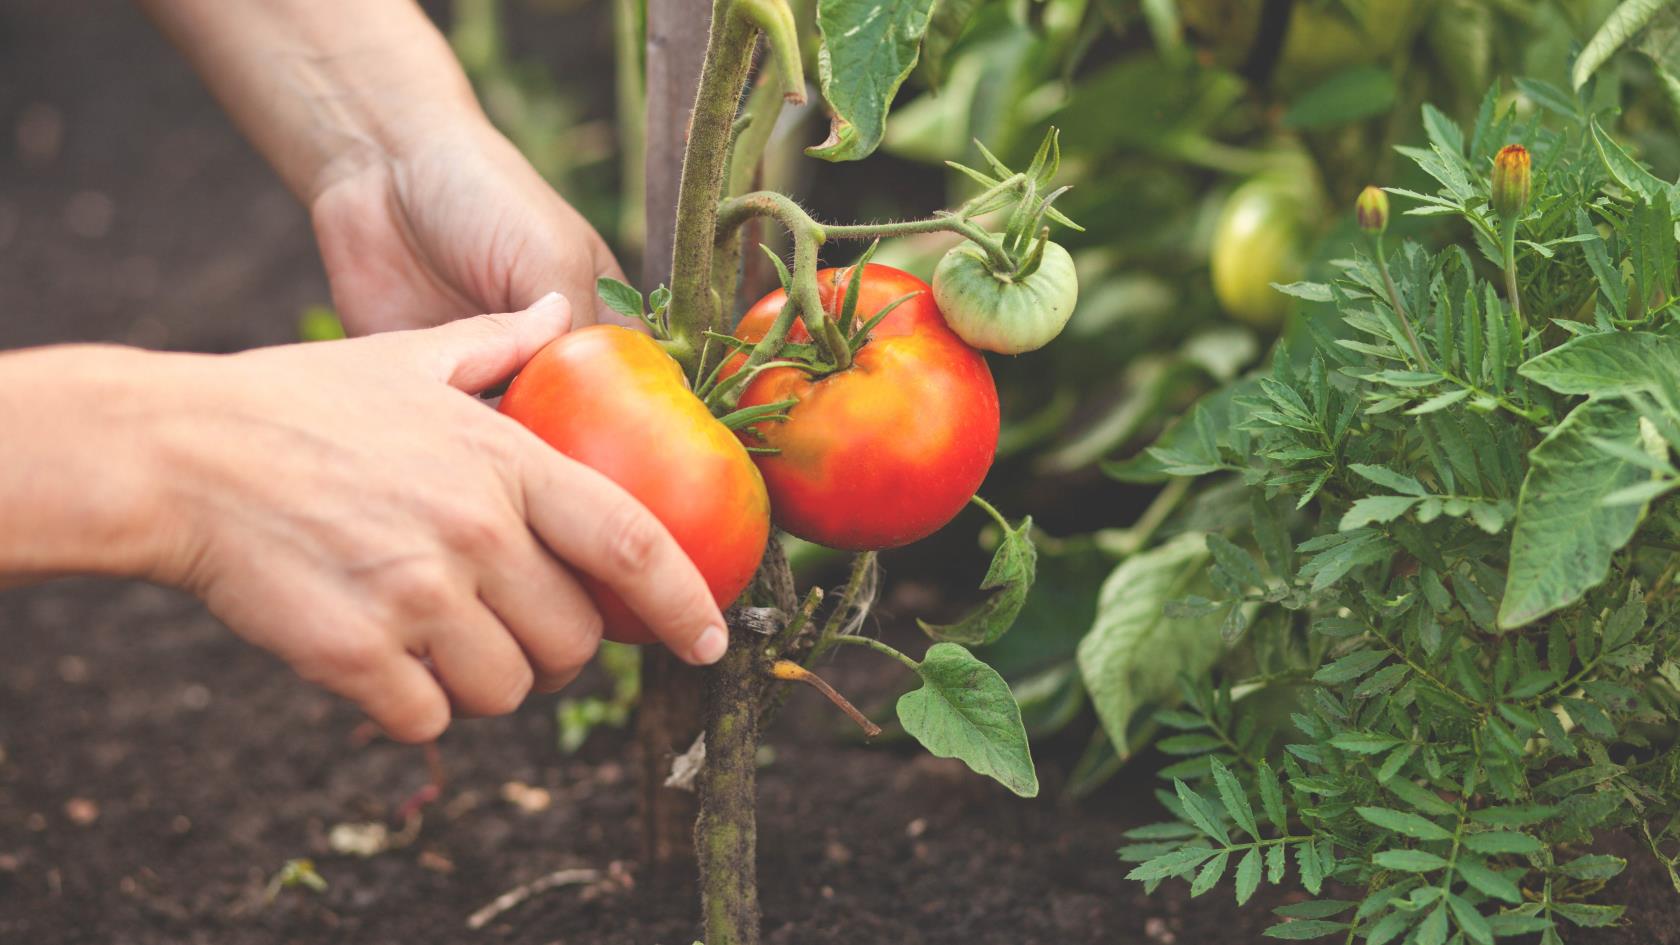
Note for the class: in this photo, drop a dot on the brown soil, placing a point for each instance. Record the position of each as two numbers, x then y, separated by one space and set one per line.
155 773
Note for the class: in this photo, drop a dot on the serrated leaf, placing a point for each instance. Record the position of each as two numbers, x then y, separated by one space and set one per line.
1009 578
1388 478
1564 535
964 710
1211 871
1300 930
1364 743
1134 653
1177 863
1409 861
1469 921
1502 841
1410 825
1487 882
1271 796
1628 18
1606 364
1235 799
1350 667
1201 812
620 297
1248 875
1377 509
868 49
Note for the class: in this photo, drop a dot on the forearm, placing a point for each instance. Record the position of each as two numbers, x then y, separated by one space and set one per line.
322 87
79 487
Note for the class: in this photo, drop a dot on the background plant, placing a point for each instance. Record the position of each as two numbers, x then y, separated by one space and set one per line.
1448 663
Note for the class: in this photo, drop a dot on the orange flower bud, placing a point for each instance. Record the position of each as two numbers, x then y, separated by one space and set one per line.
1371 210
1511 181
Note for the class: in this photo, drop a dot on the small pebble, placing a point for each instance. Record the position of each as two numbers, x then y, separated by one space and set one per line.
195 698
529 799
837 853
1155 929
916 828
180 824
436 862
81 811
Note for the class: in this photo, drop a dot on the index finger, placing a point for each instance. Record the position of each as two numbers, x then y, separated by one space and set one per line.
592 524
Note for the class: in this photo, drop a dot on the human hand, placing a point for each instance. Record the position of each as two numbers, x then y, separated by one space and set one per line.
451 223
349 507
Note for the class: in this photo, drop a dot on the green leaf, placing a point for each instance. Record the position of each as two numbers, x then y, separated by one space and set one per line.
1248 875
950 20
1010 577
1176 863
1134 653
1271 796
1608 364
1383 476
1487 882
964 710
1376 509
1588 915
620 297
1627 19
1209 875
1594 866
1364 743
1627 171
1565 535
1299 930
1502 841
1469 921
1433 930
1410 825
1348 96
1235 799
1201 812
1409 861
868 49
1350 667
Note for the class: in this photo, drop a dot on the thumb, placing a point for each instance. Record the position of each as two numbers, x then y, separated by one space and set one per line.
474 354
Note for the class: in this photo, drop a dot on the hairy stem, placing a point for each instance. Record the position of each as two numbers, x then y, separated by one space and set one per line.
726 834
1510 240
694 310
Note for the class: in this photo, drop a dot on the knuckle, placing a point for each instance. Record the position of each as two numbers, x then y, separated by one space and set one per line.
474 532
633 538
511 691
418 590
346 656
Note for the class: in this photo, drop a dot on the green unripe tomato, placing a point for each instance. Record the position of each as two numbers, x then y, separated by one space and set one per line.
1001 313
1257 241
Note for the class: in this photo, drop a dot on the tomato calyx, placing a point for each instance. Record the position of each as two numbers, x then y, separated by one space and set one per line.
1018 251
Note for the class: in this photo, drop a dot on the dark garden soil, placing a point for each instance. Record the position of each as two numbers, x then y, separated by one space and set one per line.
155 773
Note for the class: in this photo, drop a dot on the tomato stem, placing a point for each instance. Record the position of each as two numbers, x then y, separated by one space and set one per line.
880 647
789 671
729 53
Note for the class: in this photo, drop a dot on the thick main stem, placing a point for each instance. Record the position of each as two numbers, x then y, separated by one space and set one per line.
694 311
726 835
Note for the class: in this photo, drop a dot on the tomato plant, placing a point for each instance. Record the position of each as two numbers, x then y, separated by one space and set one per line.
885 452
1258 241
603 395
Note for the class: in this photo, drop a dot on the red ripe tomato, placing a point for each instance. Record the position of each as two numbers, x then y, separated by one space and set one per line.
611 399
887 451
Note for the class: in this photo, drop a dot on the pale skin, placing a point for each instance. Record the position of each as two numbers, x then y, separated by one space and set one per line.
350 506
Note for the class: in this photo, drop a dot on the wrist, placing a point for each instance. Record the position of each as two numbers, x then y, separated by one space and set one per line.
82 490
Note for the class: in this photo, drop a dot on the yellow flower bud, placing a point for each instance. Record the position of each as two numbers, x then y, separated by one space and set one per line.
1371 210
1511 181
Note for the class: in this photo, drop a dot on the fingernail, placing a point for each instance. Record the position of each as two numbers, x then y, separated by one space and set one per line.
547 300
710 647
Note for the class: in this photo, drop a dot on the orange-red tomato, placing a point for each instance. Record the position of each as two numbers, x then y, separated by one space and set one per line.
613 400
887 451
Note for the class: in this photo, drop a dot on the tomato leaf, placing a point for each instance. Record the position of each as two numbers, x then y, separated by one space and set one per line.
1135 652
964 710
621 298
868 48
1010 577
1565 535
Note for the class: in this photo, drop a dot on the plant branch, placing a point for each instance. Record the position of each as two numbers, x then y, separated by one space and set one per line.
789 671
1394 300
694 309
880 647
